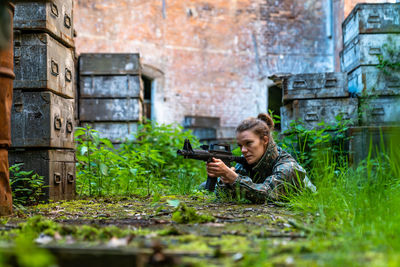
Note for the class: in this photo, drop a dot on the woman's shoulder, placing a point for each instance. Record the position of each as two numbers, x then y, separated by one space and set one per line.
286 160
282 154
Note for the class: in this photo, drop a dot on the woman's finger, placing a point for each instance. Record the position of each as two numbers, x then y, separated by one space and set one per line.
211 164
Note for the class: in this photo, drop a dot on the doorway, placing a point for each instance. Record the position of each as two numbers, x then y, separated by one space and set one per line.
148 97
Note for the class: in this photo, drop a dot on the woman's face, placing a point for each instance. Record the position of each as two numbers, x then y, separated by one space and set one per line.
252 146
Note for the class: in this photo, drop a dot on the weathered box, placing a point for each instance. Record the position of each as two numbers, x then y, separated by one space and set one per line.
42 63
42 119
313 111
364 140
369 80
201 122
111 94
109 64
371 18
54 17
315 85
366 49
383 110
115 131
110 109
111 86
204 134
56 166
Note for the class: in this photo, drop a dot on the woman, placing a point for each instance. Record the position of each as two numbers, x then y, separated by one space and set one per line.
269 173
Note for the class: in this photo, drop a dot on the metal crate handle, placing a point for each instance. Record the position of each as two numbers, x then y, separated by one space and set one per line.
300 84
18 106
68 75
17 47
57 178
374 18
330 82
67 21
375 51
70 126
378 111
311 117
54 10
54 68
57 122
70 177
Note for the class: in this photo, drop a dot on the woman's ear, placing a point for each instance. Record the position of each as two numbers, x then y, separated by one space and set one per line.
266 140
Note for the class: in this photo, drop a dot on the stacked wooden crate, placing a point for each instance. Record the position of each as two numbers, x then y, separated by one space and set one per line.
111 94
42 118
204 128
316 97
371 36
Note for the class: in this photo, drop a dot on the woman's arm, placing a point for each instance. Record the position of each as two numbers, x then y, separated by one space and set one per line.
217 168
285 176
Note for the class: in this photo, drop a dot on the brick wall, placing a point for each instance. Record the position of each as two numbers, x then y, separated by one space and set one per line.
214 55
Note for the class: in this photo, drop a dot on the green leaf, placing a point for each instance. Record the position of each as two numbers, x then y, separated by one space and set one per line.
79 132
107 142
84 149
103 169
173 202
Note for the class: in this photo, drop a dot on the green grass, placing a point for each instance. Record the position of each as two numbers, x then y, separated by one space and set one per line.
356 209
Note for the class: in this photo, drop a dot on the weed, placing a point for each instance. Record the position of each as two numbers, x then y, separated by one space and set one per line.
147 166
307 145
184 214
27 187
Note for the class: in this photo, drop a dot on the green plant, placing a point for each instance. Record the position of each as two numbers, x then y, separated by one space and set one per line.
305 144
389 59
27 187
148 165
88 165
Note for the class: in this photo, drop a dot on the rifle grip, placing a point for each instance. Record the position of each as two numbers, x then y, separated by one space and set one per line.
210 184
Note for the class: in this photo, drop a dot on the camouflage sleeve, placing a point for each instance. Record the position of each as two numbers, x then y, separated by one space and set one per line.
285 176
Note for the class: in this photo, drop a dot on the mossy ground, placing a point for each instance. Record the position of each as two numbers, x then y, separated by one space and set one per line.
237 234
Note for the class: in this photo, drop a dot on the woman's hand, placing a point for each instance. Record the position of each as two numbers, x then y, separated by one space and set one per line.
217 168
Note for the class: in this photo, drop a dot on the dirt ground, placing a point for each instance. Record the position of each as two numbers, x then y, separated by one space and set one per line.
236 234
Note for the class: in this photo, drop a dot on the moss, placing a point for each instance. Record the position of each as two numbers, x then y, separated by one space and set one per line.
169 231
184 214
38 224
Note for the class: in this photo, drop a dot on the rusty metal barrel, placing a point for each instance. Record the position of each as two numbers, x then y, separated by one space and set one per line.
6 90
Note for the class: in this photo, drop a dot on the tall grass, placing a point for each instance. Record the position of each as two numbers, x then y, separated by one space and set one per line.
357 207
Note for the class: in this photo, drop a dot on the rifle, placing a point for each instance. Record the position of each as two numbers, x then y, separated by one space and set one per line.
218 151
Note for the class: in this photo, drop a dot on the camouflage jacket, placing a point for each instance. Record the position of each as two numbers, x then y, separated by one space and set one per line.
275 174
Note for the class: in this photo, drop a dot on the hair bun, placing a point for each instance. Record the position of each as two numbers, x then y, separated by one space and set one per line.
267 119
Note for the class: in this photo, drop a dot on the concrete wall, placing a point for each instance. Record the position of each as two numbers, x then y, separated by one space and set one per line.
212 57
